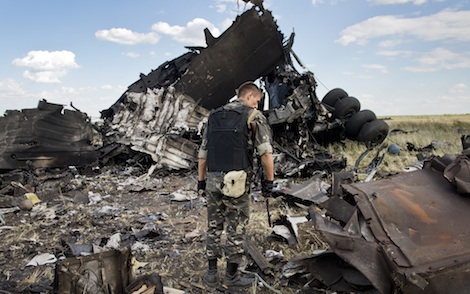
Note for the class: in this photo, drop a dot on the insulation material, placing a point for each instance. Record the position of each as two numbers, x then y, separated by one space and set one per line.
154 122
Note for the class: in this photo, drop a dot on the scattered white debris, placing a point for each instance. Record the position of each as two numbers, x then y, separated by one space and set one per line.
272 255
114 241
194 234
42 259
107 209
138 246
182 195
94 198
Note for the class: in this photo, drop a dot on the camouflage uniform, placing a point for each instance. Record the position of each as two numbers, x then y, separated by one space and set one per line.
233 211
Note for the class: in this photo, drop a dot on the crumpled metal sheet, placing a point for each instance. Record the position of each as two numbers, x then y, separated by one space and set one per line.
251 47
415 212
153 122
161 112
365 256
310 191
458 173
102 273
409 234
46 136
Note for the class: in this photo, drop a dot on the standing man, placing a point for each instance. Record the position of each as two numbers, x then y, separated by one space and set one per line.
232 134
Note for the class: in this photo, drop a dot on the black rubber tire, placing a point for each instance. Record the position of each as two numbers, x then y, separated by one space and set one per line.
346 107
373 132
333 96
355 123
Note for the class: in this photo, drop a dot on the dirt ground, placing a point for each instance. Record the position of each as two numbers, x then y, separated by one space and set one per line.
117 204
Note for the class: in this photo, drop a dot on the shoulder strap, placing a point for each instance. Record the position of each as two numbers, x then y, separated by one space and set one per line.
251 124
251 117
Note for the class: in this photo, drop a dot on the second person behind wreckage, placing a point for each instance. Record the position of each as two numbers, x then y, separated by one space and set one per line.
232 134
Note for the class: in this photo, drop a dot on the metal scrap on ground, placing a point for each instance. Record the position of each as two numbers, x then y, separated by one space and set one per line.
78 191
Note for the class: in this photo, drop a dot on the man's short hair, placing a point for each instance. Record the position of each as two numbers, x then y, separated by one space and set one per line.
247 87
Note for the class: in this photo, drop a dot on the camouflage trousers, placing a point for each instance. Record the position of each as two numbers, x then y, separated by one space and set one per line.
231 212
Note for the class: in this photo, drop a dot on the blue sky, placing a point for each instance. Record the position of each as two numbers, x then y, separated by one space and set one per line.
398 57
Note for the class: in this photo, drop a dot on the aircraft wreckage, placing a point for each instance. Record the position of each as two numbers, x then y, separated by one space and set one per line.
386 236
162 113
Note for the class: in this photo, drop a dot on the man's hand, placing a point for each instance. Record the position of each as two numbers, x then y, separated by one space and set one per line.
267 187
201 188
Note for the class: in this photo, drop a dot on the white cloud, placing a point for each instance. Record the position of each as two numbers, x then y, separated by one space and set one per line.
83 90
11 88
47 77
14 96
226 23
221 8
454 103
46 66
126 36
232 7
439 59
88 99
379 67
191 34
132 54
392 53
389 2
447 24
390 43
458 89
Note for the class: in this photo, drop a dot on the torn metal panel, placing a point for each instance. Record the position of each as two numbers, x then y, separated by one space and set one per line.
331 271
409 234
260 260
250 48
413 212
103 273
365 256
338 209
165 75
288 165
153 123
339 178
47 136
293 107
287 228
307 192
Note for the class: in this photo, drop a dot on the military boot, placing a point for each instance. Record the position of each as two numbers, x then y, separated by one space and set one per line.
237 281
211 278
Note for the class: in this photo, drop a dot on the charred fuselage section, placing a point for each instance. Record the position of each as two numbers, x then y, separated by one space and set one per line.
46 136
252 48
163 113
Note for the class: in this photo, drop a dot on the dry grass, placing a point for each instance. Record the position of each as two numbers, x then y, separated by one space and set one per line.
38 275
443 131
